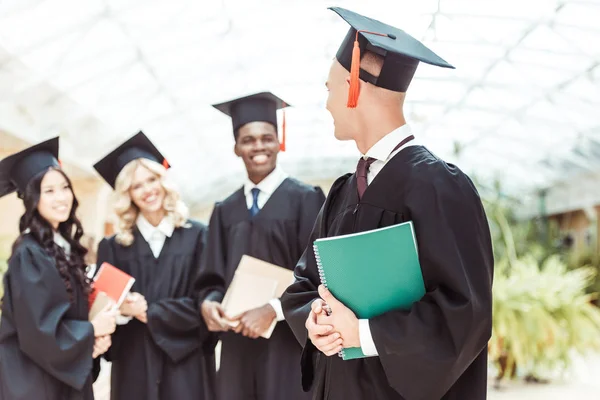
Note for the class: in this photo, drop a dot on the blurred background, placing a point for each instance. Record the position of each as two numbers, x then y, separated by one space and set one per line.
520 114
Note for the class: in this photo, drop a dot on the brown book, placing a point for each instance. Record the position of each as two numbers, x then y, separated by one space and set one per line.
254 284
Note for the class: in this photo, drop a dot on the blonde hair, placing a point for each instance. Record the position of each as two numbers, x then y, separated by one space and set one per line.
127 212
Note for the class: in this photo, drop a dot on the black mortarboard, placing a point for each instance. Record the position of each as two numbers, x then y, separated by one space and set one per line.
18 169
256 107
400 51
138 146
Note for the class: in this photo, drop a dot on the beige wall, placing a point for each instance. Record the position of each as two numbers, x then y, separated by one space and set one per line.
578 223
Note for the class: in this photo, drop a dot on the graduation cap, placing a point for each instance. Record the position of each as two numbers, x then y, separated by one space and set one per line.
400 51
18 169
255 107
138 146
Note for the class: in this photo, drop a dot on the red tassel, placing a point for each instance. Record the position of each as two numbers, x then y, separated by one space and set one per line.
165 164
355 70
282 143
60 163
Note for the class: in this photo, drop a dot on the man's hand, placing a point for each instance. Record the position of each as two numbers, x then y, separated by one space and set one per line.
322 336
254 322
342 319
214 316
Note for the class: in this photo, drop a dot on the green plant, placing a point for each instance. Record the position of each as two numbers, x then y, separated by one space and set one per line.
589 259
542 314
543 297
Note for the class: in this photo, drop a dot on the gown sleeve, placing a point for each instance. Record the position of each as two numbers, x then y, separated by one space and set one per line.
298 297
211 280
62 347
311 205
441 335
175 324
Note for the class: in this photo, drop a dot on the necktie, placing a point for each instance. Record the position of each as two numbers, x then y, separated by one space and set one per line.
254 209
362 169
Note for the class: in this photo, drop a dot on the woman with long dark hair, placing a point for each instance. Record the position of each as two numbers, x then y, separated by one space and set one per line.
164 351
47 344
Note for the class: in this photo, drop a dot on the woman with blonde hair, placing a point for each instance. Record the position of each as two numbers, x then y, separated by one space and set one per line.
163 350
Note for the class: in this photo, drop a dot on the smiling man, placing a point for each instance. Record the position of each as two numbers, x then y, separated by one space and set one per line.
269 218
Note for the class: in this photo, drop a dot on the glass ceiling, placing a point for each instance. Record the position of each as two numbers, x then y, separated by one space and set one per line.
523 104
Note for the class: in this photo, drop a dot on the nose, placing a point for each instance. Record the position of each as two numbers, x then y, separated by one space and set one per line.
61 195
259 145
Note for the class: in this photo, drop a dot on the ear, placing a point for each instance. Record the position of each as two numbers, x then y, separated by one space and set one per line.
360 83
236 150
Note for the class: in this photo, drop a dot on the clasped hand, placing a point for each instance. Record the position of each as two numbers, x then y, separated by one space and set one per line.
331 333
251 323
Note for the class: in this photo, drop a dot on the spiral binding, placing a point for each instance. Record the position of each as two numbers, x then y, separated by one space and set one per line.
323 280
319 266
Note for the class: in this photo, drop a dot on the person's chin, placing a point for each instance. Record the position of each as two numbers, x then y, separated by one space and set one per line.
341 135
152 208
262 170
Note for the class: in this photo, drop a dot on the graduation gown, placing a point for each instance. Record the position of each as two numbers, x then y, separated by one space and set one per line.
46 342
165 358
438 348
259 368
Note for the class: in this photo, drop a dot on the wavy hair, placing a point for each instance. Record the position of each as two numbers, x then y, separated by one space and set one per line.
127 212
32 223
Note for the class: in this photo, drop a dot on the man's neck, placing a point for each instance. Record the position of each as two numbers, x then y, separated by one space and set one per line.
256 179
154 218
375 129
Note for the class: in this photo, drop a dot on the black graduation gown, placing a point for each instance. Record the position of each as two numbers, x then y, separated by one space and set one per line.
438 348
259 368
46 342
164 359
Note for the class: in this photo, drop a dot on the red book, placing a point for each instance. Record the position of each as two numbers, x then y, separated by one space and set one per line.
113 282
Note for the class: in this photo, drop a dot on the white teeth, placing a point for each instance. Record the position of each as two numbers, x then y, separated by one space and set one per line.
260 159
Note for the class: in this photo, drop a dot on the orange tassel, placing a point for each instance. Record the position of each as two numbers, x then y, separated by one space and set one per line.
165 164
354 76
355 69
282 144
60 163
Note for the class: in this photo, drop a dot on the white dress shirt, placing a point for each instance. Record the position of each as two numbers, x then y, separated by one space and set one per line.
155 235
62 242
382 152
267 186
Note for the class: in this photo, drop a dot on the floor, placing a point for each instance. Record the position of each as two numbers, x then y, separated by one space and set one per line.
583 384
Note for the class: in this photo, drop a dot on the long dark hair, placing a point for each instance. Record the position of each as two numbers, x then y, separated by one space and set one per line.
34 224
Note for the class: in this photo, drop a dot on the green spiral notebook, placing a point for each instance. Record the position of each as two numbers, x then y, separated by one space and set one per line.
371 272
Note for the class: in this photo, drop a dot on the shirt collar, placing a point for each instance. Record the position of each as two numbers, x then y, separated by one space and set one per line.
165 227
62 242
269 184
384 147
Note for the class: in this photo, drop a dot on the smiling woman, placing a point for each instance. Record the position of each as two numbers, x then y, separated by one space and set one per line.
47 343
142 187
162 250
